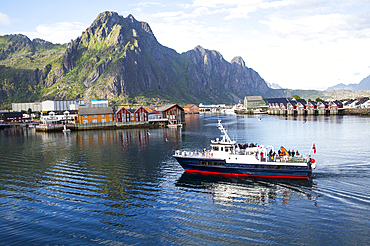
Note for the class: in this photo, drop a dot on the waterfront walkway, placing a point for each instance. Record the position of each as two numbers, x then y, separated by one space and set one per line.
103 126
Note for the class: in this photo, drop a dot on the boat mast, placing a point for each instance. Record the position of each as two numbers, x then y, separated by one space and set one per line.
225 136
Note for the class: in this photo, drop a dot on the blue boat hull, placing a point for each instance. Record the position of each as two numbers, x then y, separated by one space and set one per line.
268 170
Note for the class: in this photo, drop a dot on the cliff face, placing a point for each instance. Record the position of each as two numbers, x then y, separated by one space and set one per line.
120 59
221 79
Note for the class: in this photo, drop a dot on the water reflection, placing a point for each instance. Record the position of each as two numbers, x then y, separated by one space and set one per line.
337 119
232 191
128 138
17 131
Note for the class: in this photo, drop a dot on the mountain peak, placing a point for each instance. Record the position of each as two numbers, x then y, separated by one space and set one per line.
131 18
238 60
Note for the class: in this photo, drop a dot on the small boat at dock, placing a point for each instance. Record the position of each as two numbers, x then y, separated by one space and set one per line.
229 158
259 111
174 125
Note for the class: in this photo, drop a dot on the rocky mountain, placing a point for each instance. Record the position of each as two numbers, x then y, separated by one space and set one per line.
363 85
120 59
274 86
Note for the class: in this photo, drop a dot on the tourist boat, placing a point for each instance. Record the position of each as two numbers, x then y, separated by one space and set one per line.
227 157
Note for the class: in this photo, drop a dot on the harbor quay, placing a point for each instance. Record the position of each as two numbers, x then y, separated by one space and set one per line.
322 112
158 123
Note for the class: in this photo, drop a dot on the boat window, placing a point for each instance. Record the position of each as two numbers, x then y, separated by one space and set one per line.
222 148
263 166
226 149
208 163
214 163
277 167
270 167
215 148
221 164
202 162
255 166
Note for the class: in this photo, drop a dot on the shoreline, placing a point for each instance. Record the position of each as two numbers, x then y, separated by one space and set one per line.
357 111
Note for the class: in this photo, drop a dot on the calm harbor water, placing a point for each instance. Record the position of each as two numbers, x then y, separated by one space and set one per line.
124 188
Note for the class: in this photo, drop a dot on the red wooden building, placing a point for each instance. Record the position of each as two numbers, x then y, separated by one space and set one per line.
13 117
141 114
123 115
129 115
172 112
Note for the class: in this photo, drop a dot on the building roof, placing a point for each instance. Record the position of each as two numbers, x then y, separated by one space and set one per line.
150 109
99 100
166 107
276 100
337 102
293 103
12 114
89 111
361 101
325 103
348 102
302 101
191 105
253 98
120 108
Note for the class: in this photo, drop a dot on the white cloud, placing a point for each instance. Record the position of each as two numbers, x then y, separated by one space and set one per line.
220 3
276 4
305 44
146 4
4 19
322 28
62 32
169 16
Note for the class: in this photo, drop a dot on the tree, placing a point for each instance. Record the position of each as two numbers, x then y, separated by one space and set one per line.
319 99
296 97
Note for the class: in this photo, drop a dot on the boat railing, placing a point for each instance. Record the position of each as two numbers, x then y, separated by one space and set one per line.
297 159
193 153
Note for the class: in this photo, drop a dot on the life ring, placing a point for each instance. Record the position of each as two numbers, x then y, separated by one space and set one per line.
207 154
313 164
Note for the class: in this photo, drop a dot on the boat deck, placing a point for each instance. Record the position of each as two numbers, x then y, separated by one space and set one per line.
202 154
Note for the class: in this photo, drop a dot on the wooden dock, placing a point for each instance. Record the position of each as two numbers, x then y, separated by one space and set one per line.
158 123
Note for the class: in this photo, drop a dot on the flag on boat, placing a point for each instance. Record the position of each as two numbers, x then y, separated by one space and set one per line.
314 148
284 151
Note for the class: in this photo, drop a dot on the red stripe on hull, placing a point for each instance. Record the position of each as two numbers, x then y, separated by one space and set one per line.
246 175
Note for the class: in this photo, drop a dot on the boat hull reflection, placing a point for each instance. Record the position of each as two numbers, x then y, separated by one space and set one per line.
253 191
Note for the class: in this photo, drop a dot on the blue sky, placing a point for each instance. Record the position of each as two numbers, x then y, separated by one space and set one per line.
298 44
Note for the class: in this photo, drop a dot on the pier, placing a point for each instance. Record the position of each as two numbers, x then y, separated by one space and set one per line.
156 123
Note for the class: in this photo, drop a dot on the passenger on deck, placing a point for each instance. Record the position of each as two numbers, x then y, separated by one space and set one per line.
297 153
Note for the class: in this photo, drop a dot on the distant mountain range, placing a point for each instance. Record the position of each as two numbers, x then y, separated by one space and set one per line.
120 59
363 85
